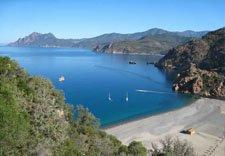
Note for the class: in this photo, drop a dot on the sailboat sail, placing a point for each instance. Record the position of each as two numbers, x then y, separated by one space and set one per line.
127 97
109 97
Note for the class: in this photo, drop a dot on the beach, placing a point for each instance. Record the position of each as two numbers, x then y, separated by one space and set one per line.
205 116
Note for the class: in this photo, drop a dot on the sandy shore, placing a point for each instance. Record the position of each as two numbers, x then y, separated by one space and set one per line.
206 116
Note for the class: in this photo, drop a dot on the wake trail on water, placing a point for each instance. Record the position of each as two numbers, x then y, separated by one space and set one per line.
153 91
130 72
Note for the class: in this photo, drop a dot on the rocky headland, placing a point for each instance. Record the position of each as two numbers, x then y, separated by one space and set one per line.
199 65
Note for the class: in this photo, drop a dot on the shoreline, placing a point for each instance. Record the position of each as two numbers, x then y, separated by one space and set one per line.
206 116
132 53
119 53
141 117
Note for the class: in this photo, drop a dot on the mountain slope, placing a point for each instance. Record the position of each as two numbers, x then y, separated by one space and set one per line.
200 65
43 40
107 39
150 44
116 37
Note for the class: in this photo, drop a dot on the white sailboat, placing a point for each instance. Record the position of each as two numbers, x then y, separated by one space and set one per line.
109 97
127 97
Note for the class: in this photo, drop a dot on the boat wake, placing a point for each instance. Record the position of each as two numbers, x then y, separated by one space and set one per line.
153 91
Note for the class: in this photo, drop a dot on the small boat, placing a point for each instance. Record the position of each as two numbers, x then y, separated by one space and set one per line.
189 131
109 97
127 97
61 78
132 62
150 63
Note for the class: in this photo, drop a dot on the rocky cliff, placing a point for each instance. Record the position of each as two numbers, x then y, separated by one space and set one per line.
199 65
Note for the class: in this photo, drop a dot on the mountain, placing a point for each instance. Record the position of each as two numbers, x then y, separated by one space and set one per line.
120 40
116 37
43 40
150 44
97 43
199 65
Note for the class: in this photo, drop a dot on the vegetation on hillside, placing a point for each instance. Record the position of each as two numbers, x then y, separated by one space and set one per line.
150 44
172 147
35 120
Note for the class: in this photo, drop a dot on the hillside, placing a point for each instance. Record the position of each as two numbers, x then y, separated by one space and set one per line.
199 64
104 39
150 44
43 40
35 120
150 41
140 42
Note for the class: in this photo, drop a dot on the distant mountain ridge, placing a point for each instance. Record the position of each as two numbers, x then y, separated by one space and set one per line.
100 43
140 42
150 44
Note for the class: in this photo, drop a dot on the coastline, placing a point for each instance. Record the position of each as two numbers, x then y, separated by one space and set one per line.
206 116
119 53
132 53
141 117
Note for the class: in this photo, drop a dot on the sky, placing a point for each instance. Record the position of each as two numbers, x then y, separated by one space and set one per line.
89 18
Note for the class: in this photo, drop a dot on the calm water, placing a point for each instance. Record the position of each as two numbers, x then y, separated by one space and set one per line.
90 77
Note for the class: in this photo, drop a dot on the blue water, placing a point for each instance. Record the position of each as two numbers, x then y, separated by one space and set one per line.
90 77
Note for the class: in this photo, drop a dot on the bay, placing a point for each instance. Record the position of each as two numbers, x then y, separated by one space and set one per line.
90 78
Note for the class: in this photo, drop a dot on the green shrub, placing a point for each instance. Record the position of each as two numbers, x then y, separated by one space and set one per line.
173 147
137 149
86 122
123 150
14 123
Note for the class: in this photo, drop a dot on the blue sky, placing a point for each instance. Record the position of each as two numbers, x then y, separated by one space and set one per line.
88 18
